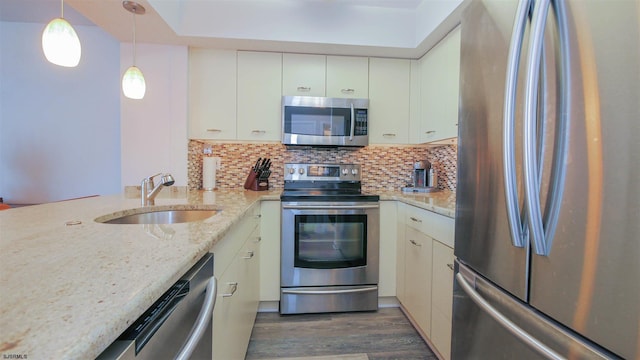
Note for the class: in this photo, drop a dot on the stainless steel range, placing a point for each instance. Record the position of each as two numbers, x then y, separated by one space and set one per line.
330 240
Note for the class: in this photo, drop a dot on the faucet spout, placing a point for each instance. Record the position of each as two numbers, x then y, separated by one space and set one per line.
148 190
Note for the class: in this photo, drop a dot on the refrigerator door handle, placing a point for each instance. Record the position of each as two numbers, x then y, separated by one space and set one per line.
530 161
558 170
514 329
518 231
542 231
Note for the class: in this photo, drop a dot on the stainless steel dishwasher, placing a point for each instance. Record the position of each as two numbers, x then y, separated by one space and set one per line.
176 326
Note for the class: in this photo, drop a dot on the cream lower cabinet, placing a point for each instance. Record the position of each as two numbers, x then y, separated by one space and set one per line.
236 261
442 298
424 275
418 278
270 244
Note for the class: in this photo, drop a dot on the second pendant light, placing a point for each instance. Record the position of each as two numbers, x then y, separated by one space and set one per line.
133 84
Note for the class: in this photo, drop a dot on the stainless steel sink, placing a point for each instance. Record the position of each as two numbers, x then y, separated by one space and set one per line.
158 216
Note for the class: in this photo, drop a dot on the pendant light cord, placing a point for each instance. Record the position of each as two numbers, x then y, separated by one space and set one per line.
62 9
134 39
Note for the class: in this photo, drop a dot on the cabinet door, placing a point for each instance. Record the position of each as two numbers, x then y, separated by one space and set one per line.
347 77
388 235
389 86
415 117
259 96
418 278
400 251
303 74
442 298
440 89
270 248
212 94
225 316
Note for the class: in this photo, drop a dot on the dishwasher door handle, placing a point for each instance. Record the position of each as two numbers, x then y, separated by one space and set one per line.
204 317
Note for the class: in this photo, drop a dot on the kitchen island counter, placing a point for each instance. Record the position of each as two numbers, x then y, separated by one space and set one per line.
70 286
441 202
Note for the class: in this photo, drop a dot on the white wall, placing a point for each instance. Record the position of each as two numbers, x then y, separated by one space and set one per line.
154 129
59 127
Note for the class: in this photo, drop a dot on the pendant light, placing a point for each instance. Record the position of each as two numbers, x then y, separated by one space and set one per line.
133 84
60 42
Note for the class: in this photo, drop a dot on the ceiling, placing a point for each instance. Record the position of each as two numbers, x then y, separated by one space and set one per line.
391 28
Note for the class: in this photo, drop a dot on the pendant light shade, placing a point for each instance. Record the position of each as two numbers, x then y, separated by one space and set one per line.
133 84
60 42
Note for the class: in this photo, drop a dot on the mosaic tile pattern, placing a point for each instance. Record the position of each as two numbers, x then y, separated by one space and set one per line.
384 167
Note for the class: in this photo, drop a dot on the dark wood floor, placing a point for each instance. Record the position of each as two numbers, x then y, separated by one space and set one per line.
384 334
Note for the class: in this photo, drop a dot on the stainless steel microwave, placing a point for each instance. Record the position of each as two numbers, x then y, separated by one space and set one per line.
321 121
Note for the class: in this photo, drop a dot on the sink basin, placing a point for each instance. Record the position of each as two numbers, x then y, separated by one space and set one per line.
157 216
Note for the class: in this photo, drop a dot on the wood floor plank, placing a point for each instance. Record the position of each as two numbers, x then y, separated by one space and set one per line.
383 334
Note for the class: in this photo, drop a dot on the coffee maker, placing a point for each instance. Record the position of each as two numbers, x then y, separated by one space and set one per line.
421 173
424 178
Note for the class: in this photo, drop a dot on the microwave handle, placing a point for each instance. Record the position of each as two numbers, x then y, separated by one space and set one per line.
353 122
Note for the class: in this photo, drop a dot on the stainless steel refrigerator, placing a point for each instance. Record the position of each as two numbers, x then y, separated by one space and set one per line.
548 198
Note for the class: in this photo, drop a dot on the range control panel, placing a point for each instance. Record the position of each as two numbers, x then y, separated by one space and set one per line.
321 172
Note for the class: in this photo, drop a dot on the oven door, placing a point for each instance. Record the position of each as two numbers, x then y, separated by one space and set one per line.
329 243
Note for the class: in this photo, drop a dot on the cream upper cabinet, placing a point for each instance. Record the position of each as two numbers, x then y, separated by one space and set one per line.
440 74
389 100
303 74
212 94
347 77
259 100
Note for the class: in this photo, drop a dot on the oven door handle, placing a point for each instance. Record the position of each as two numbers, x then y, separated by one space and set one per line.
330 207
324 292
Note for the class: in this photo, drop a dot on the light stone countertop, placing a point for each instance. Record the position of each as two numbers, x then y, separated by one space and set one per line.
67 292
441 202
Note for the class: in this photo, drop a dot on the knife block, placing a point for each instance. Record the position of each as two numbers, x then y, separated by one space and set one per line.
254 183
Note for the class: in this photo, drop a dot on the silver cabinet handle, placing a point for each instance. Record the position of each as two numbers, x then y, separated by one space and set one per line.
415 243
214 130
303 89
258 131
249 255
516 226
202 321
258 216
504 321
234 287
450 266
347 91
389 135
415 219
430 132
257 239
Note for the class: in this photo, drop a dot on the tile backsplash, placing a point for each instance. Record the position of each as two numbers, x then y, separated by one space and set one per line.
383 167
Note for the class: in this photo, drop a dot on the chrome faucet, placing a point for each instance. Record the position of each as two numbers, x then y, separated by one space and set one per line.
148 191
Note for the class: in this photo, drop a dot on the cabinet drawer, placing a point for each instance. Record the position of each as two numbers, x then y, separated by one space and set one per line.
435 225
442 299
225 250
